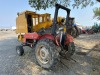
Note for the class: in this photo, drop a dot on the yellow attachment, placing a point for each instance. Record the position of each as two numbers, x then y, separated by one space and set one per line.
39 21
21 24
21 37
59 19
64 29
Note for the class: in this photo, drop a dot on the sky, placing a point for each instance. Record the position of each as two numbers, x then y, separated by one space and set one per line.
9 9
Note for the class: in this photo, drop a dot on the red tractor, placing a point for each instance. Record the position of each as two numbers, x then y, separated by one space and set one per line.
48 47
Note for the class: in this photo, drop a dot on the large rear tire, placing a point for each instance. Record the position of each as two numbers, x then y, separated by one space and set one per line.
74 32
68 50
46 53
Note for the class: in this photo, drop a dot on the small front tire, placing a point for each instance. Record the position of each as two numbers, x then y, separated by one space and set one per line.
20 50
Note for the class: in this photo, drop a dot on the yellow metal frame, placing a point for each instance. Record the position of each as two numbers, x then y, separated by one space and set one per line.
39 21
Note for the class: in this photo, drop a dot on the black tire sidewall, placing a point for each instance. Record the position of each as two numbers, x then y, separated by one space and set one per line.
70 52
20 49
51 50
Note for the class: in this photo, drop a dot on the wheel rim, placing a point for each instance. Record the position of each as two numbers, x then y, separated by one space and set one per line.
43 54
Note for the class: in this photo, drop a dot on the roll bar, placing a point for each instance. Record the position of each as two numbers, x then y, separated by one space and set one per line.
57 7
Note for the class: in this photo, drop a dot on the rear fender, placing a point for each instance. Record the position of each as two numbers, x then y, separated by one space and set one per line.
68 39
47 36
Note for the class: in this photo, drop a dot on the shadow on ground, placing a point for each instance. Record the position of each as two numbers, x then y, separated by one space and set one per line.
12 64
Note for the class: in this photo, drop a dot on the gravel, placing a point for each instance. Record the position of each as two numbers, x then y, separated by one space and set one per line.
87 57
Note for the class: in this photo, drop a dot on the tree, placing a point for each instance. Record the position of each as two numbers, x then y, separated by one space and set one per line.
43 4
96 27
97 13
98 0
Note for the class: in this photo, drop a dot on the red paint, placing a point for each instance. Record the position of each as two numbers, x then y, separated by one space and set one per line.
33 35
48 36
84 31
69 39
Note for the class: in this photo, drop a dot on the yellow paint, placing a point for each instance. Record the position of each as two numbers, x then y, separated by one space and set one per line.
39 21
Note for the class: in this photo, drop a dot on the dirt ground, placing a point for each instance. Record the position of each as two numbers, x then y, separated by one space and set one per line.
87 57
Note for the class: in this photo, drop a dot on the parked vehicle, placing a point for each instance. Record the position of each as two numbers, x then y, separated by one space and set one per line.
47 46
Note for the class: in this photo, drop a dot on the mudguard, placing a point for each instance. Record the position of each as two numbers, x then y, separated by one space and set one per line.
47 36
68 39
